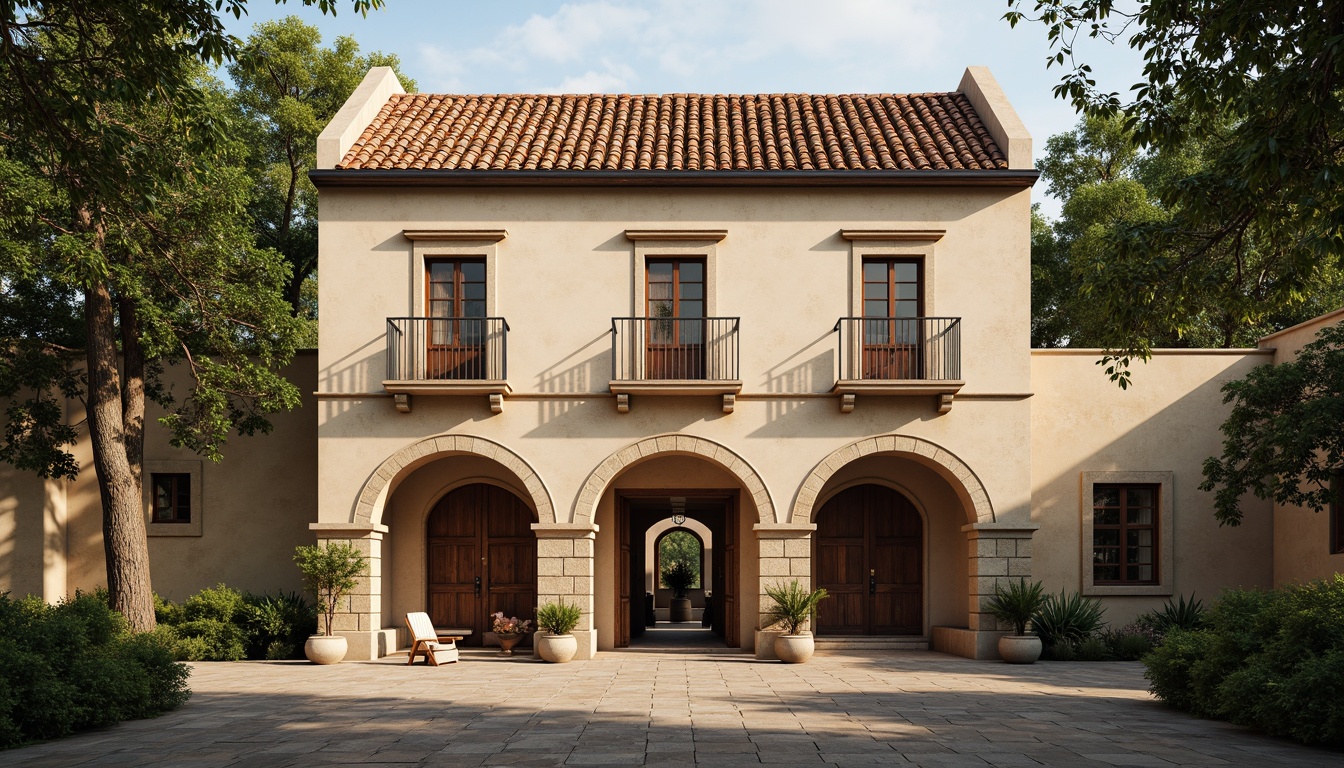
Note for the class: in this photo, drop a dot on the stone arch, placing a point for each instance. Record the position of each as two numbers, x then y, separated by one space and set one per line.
964 481
585 506
373 496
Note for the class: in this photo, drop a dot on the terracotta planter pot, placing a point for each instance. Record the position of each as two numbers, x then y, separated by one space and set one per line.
1019 649
795 649
680 610
325 649
507 642
556 649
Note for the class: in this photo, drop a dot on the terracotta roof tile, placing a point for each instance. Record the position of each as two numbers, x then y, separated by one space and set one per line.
762 132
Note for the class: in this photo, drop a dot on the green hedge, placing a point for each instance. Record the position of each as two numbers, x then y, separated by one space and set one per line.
224 624
1270 660
76 665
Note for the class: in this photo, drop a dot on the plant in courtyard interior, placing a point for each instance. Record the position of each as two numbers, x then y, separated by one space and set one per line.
559 619
330 573
1016 604
793 607
1067 620
679 576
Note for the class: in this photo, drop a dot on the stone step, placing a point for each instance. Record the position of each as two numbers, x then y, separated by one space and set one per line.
870 643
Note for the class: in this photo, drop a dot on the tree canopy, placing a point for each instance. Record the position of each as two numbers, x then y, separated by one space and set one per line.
1283 439
1255 87
124 248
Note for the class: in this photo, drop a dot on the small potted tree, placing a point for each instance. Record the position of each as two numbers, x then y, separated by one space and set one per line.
792 610
330 573
555 643
1016 604
679 577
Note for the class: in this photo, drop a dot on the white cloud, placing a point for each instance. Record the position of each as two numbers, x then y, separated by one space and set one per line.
615 77
574 32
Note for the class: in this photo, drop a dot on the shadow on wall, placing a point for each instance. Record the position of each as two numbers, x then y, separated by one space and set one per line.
1177 437
586 369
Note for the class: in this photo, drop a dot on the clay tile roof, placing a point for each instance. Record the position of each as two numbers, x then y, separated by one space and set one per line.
677 132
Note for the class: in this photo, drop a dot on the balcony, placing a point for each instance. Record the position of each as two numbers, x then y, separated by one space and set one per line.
447 356
899 356
675 356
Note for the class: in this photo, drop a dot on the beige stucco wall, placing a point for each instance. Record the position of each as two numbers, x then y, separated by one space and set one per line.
566 268
1301 536
1167 421
256 505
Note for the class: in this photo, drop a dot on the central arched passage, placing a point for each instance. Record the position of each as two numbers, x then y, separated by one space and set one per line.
870 558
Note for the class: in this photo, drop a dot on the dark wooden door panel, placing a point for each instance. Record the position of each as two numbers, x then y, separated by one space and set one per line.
482 558
869 556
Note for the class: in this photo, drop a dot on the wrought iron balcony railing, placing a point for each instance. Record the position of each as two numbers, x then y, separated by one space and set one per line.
447 349
899 348
649 349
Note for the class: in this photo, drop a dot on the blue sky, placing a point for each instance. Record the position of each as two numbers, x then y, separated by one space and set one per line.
728 46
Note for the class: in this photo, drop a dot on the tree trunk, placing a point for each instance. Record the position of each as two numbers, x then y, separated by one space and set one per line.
124 540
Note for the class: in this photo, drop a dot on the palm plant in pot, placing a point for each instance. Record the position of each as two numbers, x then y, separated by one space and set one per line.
792 610
330 573
1016 604
556 643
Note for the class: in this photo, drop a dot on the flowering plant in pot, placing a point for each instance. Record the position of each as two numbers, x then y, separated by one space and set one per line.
557 645
510 630
1016 604
329 572
792 610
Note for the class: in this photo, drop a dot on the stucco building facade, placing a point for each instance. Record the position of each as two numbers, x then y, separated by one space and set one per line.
552 326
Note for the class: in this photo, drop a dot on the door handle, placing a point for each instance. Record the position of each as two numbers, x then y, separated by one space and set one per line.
478 586
872 582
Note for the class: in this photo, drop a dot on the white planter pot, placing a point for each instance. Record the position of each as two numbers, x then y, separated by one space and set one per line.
1019 649
325 649
556 649
795 649
680 610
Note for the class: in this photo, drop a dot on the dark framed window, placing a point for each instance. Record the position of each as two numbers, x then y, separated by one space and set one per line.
172 497
455 291
1337 513
1124 533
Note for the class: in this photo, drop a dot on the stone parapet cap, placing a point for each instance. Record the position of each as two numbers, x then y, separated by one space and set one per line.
783 530
1001 530
565 530
347 530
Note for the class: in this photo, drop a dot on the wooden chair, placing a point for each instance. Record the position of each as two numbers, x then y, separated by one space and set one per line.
438 649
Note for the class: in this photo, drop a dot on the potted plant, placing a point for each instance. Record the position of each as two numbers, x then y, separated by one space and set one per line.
792 610
557 645
510 630
1016 604
330 573
679 576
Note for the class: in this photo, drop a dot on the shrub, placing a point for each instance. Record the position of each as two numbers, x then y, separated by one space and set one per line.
278 625
1269 660
1060 652
208 626
558 618
76 665
1094 649
1180 615
1129 643
1067 619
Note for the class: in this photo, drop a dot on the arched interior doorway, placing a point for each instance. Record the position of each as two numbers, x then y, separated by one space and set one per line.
870 558
482 558
668 541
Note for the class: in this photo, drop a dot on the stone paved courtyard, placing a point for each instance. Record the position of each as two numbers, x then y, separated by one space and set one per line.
672 709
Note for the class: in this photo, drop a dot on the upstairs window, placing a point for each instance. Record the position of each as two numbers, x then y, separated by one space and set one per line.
1124 533
172 497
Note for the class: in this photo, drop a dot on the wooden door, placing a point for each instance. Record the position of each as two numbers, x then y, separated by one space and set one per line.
456 336
893 303
482 557
675 331
870 558
730 554
624 574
